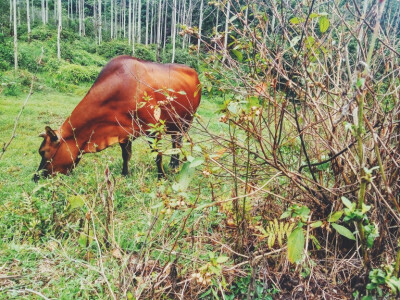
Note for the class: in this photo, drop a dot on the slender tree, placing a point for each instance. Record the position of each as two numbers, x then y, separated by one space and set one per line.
159 27
124 17
165 23
216 25
139 22
28 20
151 22
129 21
133 27
200 25
100 22
228 8
59 30
173 30
15 35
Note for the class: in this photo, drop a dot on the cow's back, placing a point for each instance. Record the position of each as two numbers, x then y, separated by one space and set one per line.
129 95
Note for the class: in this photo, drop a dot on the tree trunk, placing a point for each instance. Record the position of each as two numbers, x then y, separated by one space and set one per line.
159 30
28 20
15 35
59 30
80 17
216 27
152 23
184 18
165 23
228 8
130 22
190 16
200 25
124 18
139 22
100 22
173 30
133 27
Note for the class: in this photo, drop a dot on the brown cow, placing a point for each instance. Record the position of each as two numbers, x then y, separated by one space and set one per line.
127 99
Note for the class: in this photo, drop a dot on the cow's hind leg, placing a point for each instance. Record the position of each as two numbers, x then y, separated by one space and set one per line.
126 156
176 143
153 146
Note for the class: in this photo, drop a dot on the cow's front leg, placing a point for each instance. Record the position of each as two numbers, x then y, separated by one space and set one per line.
176 143
126 156
154 148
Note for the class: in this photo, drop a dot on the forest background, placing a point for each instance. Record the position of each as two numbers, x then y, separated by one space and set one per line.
289 185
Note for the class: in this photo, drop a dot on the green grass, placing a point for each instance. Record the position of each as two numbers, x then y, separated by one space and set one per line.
40 245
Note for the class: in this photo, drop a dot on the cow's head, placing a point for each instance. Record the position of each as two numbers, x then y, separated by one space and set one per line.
48 150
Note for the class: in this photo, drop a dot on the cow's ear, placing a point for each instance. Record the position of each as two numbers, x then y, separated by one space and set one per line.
42 135
52 134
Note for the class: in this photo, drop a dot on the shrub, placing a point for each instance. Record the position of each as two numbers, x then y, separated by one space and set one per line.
114 48
83 58
28 56
145 52
77 74
12 84
42 33
6 53
182 56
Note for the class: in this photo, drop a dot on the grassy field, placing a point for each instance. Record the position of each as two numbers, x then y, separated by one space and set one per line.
49 246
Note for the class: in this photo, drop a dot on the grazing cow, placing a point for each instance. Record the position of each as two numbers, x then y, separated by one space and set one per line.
128 97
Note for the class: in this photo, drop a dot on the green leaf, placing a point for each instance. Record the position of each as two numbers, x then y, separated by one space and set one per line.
215 270
313 15
233 107
296 20
360 82
315 242
316 224
172 151
295 244
323 24
75 202
347 203
335 216
309 42
286 214
222 259
343 231
238 54
196 162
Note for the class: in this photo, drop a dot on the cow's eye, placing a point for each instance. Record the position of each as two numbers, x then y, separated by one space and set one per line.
41 153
